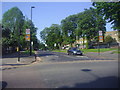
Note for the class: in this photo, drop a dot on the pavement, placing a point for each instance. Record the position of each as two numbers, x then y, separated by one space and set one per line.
103 55
12 60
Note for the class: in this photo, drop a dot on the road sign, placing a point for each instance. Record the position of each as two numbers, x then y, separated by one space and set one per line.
100 33
100 38
27 37
17 49
27 31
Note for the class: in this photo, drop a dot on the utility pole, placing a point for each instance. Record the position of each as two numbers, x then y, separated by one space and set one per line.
31 33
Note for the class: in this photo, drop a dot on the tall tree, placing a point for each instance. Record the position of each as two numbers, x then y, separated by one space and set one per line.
52 35
69 26
90 23
111 12
12 23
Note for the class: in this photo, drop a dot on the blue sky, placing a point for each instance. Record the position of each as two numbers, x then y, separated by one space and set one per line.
47 13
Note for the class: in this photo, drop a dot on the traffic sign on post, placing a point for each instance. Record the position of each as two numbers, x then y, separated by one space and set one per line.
100 33
27 31
27 37
100 38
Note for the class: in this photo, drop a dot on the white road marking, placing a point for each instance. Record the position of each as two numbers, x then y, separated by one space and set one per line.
52 56
82 56
75 56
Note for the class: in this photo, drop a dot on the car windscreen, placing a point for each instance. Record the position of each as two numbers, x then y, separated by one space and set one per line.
75 48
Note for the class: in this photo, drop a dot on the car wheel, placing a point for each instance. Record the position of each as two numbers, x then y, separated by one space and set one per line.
72 53
81 54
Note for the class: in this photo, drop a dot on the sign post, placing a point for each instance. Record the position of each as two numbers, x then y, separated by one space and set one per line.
27 37
18 48
100 40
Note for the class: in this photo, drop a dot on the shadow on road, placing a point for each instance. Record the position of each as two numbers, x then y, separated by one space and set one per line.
13 64
86 70
106 82
4 85
45 54
9 68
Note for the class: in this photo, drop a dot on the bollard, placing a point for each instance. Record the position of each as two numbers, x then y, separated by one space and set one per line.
35 55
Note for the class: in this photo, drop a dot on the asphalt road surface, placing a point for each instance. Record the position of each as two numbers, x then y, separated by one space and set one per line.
63 57
58 70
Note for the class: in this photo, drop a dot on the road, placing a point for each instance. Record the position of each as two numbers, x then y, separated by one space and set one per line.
58 70
63 57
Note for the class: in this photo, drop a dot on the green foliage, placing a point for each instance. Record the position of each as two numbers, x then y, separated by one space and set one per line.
52 36
109 39
90 23
82 25
13 19
42 46
101 50
14 25
69 26
111 12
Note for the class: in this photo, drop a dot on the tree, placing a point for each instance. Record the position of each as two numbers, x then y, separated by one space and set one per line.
108 40
12 23
82 25
14 27
89 24
52 35
42 46
111 12
69 26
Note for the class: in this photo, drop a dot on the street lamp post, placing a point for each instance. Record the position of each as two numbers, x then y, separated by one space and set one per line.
30 33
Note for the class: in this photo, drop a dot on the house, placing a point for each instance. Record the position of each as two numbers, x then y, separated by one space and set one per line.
113 34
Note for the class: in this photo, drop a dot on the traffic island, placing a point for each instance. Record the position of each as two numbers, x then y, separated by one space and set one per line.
11 60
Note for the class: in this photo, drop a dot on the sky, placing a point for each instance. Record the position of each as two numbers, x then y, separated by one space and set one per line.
47 13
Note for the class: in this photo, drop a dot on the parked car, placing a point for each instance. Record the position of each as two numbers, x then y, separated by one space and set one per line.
74 51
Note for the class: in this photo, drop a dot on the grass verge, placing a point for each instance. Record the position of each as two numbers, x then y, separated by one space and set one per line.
65 51
27 52
101 50
93 50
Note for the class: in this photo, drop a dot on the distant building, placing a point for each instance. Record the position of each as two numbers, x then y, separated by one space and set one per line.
113 34
80 41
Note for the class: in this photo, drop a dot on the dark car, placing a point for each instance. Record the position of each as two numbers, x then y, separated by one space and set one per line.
74 51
